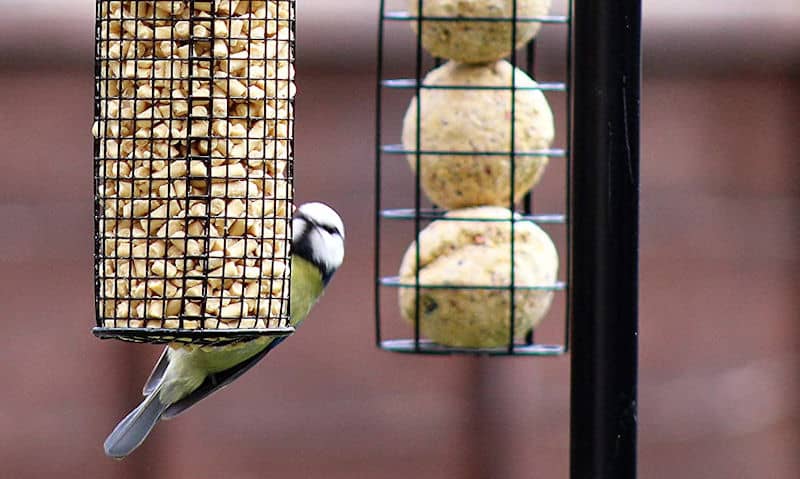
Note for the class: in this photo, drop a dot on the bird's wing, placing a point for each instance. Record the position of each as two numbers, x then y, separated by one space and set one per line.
157 374
215 382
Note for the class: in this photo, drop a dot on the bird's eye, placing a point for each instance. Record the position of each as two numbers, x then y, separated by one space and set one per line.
330 229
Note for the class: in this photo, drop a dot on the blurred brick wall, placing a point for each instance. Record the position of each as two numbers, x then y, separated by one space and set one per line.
719 311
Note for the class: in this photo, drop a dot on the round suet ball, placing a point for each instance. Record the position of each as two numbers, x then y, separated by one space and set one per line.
473 120
474 254
476 41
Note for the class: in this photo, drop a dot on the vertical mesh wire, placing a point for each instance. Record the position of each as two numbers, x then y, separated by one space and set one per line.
193 169
392 12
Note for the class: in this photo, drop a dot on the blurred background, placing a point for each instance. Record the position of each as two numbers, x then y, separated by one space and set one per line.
720 273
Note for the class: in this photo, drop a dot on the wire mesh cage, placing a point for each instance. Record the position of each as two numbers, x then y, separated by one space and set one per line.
482 270
193 169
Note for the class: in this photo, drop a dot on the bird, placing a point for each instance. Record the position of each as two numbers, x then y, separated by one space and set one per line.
185 375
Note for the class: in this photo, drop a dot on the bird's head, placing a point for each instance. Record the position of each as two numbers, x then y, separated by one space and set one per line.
318 237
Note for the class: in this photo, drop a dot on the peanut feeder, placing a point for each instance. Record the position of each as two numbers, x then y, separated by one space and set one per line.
193 165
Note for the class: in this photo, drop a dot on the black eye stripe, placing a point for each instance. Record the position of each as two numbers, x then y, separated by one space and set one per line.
330 229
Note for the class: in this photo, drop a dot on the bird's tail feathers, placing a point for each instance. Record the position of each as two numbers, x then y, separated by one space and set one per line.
134 428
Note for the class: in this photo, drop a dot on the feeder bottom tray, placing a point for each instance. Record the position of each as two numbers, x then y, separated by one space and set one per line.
429 347
201 337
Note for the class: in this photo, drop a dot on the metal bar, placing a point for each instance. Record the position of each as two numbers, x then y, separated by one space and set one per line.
437 214
418 78
399 149
527 201
378 177
411 83
405 16
512 297
568 182
604 227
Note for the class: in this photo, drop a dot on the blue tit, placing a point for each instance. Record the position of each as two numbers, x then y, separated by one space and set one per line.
185 375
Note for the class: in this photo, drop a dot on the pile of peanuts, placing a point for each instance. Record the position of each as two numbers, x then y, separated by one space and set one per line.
192 155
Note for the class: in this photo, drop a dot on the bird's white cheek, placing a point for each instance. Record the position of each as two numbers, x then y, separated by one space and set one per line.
333 252
298 228
339 253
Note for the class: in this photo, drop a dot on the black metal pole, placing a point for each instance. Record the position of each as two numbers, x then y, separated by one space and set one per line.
604 265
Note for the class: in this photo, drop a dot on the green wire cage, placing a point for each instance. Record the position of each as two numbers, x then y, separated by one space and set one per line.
464 170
